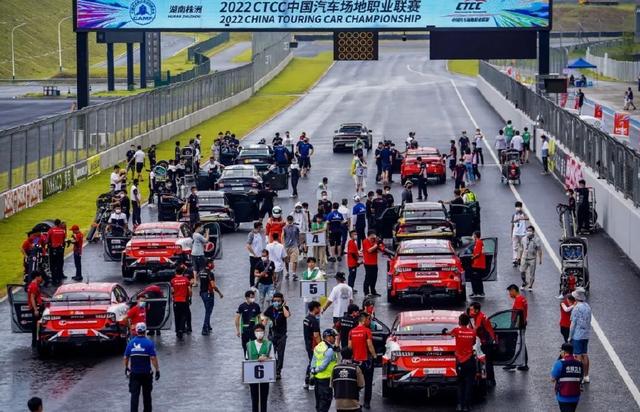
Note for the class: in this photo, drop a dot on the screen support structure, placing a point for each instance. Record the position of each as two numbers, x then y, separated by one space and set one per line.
82 71
543 52
111 84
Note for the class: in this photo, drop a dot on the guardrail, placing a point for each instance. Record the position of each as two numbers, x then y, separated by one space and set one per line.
611 160
622 70
57 151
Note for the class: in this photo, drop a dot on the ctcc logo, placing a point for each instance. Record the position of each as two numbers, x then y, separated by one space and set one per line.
470 5
142 12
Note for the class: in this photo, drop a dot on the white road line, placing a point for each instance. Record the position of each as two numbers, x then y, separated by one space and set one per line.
624 374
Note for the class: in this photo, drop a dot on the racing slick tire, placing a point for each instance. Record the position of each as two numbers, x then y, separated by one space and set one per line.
393 300
442 179
44 349
127 274
462 296
388 391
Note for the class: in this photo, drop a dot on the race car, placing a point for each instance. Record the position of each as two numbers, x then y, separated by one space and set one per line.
214 207
258 155
420 356
157 248
241 179
82 313
423 269
345 137
417 220
410 168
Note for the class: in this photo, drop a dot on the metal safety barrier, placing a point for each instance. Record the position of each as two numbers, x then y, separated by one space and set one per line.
610 159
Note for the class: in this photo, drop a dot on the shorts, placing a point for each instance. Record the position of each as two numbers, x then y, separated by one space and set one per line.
139 167
580 346
386 167
335 238
526 146
198 263
130 165
304 162
293 253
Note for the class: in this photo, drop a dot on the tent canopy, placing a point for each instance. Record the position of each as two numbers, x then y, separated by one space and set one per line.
581 64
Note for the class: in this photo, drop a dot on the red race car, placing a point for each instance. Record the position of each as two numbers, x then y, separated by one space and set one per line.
81 313
157 248
419 355
410 167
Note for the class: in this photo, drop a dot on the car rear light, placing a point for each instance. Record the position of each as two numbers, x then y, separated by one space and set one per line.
400 354
47 318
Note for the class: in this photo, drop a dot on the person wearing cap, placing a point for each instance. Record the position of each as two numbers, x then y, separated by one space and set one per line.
580 329
341 297
77 239
359 218
259 349
567 374
520 310
138 358
346 381
324 360
361 343
407 194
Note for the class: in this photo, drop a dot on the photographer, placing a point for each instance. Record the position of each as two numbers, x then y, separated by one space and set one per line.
370 248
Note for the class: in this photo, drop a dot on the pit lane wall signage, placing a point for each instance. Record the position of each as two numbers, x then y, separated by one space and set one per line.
58 182
564 166
93 15
20 198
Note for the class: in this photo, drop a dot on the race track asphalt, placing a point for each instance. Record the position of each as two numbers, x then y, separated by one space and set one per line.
401 92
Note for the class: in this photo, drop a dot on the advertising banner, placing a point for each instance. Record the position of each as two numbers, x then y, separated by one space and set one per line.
82 170
564 97
597 111
97 15
58 182
621 124
93 165
22 197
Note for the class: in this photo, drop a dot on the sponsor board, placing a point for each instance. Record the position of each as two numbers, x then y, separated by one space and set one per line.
22 197
82 170
311 14
564 166
93 166
58 182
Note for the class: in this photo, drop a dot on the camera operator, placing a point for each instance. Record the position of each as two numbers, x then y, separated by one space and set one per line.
370 248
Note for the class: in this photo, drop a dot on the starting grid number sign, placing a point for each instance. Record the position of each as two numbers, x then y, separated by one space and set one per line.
313 289
254 371
316 239
309 15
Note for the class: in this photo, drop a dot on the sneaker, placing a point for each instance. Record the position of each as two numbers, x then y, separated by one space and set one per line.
509 368
77 279
205 332
560 296
586 379
332 259
339 258
376 294
480 295
524 285
286 276
473 295
530 288
312 387
295 277
305 386
355 291
278 376
523 368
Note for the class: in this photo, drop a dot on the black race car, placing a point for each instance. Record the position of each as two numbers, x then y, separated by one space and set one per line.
214 207
257 155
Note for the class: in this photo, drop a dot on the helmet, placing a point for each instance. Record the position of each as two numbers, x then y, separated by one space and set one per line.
276 211
329 332
298 204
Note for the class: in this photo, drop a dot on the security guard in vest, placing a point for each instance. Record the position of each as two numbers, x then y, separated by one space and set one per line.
468 196
567 373
324 359
259 349
346 382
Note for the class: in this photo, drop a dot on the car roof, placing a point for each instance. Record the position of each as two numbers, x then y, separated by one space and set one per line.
158 225
428 316
424 206
415 243
86 287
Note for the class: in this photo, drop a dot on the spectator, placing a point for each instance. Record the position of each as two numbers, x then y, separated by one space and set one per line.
580 329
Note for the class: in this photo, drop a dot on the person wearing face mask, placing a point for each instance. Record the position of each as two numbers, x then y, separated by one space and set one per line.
311 333
247 318
278 313
207 288
361 343
325 358
324 204
260 350
359 218
137 314
532 252
388 196
193 206
118 220
265 277
519 222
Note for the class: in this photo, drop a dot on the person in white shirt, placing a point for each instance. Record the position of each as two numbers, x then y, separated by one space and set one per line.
517 142
278 255
119 221
478 139
138 157
544 152
136 203
255 244
341 297
519 223
116 180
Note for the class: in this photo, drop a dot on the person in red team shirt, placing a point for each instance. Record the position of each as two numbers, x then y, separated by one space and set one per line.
519 319
56 236
370 248
181 290
486 334
566 306
361 343
353 258
34 299
478 266
465 360
137 314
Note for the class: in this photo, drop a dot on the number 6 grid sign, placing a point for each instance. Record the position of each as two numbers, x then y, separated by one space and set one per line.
313 288
254 371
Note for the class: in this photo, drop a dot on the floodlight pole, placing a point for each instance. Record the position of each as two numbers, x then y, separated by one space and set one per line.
60 43
13 54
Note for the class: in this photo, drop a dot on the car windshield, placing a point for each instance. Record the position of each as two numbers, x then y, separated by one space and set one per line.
156 232
438 214
430 329
254 152
79 298
424 251
236 173
351 129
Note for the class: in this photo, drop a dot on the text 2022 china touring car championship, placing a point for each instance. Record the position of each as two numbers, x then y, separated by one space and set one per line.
349 205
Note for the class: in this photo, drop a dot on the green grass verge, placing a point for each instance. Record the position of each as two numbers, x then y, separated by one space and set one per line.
464 67
120 93
77 205
576 17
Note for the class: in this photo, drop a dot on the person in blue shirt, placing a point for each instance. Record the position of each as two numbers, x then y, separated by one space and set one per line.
567 373
305 151
359 213
335 220
282 158
138 358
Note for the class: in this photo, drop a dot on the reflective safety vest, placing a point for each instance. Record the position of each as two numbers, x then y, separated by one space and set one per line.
345 381
469 197
319 352
568 383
